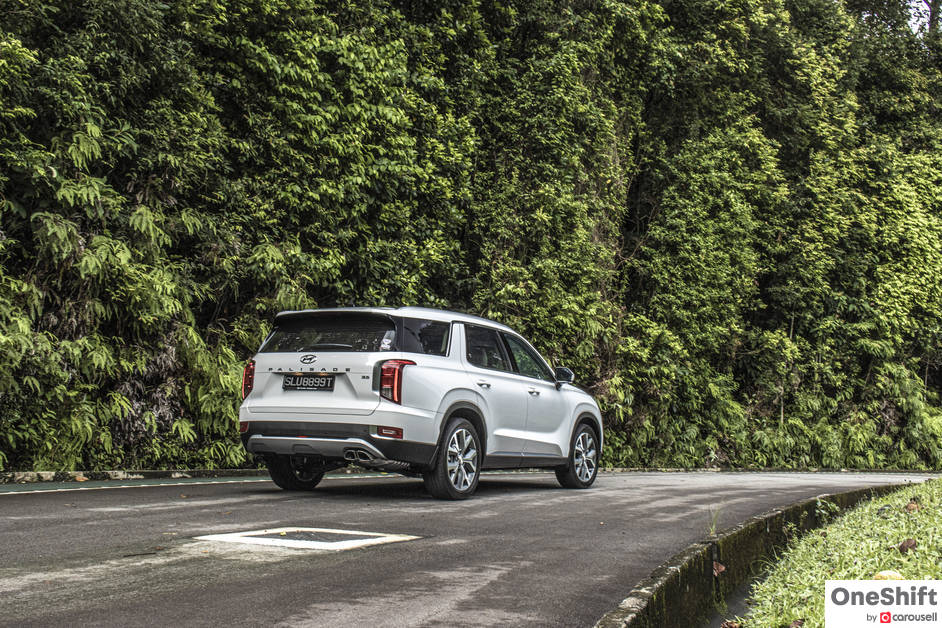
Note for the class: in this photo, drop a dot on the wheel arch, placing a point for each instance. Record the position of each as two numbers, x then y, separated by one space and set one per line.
586 417
470 412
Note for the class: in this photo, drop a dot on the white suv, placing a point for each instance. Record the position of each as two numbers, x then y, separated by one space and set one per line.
416 391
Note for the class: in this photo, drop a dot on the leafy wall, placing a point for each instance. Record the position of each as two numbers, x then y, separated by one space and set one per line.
724 216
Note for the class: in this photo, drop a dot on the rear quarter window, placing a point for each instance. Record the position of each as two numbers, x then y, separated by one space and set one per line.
420 335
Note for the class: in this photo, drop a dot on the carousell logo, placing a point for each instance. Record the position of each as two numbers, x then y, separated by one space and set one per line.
902 603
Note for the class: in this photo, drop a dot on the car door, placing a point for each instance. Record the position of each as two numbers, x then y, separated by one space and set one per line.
547 422
491 373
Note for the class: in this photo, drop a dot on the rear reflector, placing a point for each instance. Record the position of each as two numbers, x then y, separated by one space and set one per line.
390 379
243 427
248 378
389 432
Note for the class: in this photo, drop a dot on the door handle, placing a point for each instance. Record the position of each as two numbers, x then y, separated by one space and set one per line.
483 384
534 392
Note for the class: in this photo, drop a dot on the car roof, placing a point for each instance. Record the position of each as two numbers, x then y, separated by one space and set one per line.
409 311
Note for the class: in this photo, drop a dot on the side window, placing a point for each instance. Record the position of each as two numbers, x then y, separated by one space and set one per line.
484 348
526 360
424 336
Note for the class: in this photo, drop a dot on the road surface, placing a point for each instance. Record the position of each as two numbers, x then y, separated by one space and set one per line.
522 551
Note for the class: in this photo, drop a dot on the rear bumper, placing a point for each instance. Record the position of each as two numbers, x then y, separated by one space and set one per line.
332 441
326 447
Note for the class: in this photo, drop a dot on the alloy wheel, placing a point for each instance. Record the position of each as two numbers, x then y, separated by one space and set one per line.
462 459
584 456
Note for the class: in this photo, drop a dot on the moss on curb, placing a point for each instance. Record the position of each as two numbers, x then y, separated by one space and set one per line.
686 589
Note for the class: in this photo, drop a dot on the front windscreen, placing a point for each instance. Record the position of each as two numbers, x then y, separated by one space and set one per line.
332 332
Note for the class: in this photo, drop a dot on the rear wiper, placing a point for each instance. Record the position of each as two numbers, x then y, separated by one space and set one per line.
327 345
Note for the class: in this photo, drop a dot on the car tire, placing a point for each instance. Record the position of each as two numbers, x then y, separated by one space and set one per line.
292 474
458 462
583 464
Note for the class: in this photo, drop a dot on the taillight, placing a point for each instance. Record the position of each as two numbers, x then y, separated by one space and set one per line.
390 379
248 378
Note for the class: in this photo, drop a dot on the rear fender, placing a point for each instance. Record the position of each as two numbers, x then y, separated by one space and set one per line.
462 406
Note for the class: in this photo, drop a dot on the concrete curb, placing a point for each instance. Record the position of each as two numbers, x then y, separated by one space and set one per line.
686 589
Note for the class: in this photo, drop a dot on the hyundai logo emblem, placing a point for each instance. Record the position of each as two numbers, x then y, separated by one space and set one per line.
310 358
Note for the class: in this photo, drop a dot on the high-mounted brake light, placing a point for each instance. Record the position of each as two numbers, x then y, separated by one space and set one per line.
248 378
390 379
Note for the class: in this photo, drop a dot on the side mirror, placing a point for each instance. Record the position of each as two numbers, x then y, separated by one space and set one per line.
563 376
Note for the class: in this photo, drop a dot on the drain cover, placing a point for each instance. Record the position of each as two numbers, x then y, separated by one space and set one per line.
320 536
309 538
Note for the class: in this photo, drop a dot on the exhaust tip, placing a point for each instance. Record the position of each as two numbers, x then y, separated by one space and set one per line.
350 455
364 456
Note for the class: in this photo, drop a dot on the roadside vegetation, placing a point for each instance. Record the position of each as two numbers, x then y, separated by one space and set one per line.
896 537
725 217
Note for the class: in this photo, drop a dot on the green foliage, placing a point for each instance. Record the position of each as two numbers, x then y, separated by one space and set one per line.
724 217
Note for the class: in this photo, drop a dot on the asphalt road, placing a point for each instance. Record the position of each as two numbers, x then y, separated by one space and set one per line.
521 552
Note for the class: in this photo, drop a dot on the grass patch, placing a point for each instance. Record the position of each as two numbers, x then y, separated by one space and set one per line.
855 546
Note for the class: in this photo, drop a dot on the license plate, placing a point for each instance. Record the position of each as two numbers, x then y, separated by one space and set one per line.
306 381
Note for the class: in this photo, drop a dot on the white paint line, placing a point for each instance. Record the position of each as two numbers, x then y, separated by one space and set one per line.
98 488
254 537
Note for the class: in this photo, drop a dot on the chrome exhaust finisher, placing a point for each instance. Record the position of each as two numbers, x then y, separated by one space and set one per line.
369 461
358 455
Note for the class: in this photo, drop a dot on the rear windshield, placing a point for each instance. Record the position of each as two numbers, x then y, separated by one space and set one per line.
333 332
358 332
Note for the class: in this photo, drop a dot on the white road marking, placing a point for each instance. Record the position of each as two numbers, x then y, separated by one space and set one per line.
97 488
254 537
